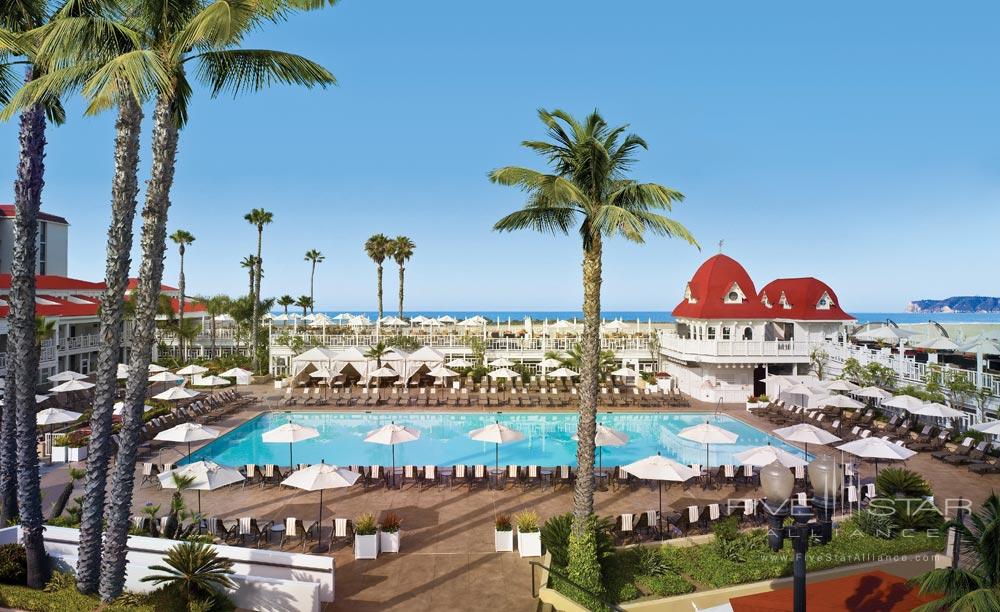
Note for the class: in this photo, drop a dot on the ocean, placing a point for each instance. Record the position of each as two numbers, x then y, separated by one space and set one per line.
661 316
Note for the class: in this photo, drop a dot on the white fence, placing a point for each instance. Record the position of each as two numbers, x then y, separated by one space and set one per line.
734 348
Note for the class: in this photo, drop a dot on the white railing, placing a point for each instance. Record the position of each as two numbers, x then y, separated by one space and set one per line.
73 343
221 333
734 348
458 342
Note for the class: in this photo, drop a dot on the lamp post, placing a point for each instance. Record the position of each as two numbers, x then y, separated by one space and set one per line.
827 477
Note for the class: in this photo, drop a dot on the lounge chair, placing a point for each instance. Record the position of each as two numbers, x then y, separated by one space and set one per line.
975 455
376 477
294 528
963 449
933 444
532 476
479 476
985 467
149 472
343 532
625 528
249 530
409 474
459 474
216 527
270 474
565 475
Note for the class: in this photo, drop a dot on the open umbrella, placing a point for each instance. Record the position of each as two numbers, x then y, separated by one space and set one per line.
192 370
207 476
497 434
873 392
504 373
442 372
563 373
708 434
187 433
904 402
606 436
156 369
67 376
320 477
460 363
502 362
990 427
760 456
289 433
839 401
934 409
72 385
938 343
625 373
119 408
876 448
549 362
807 434
176 393
236 373
392 435
166 377
660 468
322 373
841 384
212 381
54 416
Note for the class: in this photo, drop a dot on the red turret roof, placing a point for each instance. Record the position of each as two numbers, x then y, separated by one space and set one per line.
802 300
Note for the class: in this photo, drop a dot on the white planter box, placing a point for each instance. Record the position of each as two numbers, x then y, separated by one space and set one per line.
529 544
504 540
366 546
755 405
67 454
58 454
389 542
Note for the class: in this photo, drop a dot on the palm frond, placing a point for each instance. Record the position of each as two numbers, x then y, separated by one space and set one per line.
237 71
540 219
47 86
69 40
9 82
617 221
556 189
138 73
221 23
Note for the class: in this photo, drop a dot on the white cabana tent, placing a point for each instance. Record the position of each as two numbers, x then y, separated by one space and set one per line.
318 357
476 321
938 343
447 320
885 333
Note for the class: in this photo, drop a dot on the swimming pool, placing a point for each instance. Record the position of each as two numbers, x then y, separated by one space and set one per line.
444 439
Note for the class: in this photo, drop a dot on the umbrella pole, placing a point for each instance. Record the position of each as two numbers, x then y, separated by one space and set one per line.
291 465
393 446
189 451
659 513
496 456
319 525
199 511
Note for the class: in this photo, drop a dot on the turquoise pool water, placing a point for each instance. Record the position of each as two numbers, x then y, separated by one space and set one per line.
444 439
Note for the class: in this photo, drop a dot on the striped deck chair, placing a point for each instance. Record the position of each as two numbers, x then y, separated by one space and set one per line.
376 477
651 524
409 473
429 478
459 474
532 476
625 528
343 531
478 476
513 474
270 474
565 475
294 528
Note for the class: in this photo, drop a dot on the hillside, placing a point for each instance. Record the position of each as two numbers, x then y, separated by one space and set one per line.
961 303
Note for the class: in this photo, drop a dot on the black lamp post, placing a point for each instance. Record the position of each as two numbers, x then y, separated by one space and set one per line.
827 478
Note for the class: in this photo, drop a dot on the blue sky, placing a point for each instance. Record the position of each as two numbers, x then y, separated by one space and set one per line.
854 142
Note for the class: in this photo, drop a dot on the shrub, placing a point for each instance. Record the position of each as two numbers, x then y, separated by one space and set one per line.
60 581
665 585
13 564
908 512
874 524
390 522
900 482
647 561
555 538
503 523
584 568
365 524
526 521
195 569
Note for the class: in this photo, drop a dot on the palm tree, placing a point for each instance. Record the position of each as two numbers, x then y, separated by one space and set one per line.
195 569
975 585
589 186
181 238
315 257
402 250
305 303
378 247
249 263
573 359
179 34
285 301
258 217
215 306
377 351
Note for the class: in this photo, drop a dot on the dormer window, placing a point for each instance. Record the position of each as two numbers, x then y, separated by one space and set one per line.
783 301
735 295
765 301
688 295
824 303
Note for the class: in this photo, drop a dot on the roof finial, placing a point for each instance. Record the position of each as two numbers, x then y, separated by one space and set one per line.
721 242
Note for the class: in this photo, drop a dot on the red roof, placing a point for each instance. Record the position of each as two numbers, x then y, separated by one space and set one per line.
801 301
134 282
7 211
51 282
706 295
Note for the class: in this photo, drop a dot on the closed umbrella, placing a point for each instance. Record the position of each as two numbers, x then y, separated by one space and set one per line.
321 477
660 468
708 434
497 434
207 475
391 435
760 456
806 433
289 434
187 433
67 376
605 436
875 449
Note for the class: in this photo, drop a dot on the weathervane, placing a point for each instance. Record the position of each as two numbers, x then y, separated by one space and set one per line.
721 242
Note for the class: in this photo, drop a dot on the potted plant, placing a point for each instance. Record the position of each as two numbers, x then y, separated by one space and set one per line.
504 534
68 448
529 537
365 537
388 535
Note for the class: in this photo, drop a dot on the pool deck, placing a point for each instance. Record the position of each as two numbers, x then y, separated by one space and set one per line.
447 559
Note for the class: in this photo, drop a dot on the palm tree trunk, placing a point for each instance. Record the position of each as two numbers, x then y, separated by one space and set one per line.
590 349
124 191
27 201
153 245
312 278
8 448
378 279
255 323
180 306
402 271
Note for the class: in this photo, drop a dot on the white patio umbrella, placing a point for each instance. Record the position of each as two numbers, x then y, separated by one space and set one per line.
841 384
873 392
235 373
320 477
448 320
885 333
503 373
72 385
55 416
981 346
38 399
497 434
904 402
502 362
289 434
708 434
549 362
208 476
391 435
66 376
119 408
156 369
938 343
322 373
192 370
759 456
840 401
212 381
807 434
605 436
460 363
990 427
563 373
166 377
187 433
174 394
660 468
934 409
442 372
625 373
876 448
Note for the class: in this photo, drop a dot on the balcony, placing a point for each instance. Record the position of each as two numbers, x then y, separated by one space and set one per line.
455 342
77 343
720 350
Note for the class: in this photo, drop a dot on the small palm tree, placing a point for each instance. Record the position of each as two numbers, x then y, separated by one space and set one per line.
305 303
285 301
182 238
573 359
315 257
249 263
378 247
377 351
215 306
195 569
402 251
977 586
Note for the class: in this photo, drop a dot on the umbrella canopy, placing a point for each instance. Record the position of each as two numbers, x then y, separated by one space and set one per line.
934 409
938 343
841 385
904 402
873 392
550 362
383 372
990 427
625 372
289 433
55 416
38 399
502 362
658 467
321 320
322 373
981 346
212 381
191 370
66 376
806 433
765 455
460 363
876 448
320 477
803 389
236 373
188 432
504 373
563 373
840 401
166 377
607 437
497 434
72 385
448 320
119 408
885 333
176 394
392 434
616 325
207 475
442 372
156 369
706 433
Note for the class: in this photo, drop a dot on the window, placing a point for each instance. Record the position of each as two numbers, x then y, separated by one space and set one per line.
711 333
726 333
824 302
748 333
43 230
735 295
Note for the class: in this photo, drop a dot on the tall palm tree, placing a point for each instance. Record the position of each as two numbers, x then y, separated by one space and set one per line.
181 34
588 186
182 238
249 263
402 251
315 257
257 217
285 301
378 247
305 303
974 585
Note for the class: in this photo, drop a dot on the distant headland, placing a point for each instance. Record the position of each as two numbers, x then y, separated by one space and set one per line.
960 303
